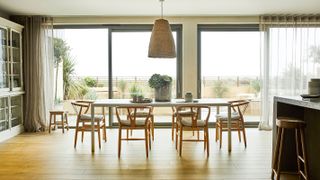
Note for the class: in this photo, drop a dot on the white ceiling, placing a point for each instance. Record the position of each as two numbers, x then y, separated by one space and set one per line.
152 7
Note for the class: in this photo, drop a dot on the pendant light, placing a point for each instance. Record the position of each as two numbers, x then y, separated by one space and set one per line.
161 43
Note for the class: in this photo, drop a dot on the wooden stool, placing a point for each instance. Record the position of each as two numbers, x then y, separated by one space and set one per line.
299 126
63 124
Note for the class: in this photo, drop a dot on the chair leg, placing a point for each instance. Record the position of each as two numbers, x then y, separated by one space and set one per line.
220 135
82 132
304 153
99 136
180 140
127 133
217 131
119 142
146 141
298 151
55 122
207 141
172 128
67 123
177 131
204 140
198 135
239 131
50 123
152 127
62 123
149 134
76 134
244 135
276 153
280 154
105 132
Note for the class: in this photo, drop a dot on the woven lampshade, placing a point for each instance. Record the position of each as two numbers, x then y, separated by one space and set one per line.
161 43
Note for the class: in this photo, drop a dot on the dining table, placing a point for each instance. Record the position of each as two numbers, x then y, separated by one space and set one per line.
212 102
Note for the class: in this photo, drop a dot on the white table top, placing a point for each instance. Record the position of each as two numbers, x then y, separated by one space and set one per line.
173 102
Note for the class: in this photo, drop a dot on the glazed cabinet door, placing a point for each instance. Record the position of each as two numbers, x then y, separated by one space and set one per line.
16 110
16 60
4 60
4 113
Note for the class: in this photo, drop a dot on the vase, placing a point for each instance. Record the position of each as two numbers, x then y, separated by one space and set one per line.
163 93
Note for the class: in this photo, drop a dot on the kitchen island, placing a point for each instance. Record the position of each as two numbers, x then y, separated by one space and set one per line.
309 112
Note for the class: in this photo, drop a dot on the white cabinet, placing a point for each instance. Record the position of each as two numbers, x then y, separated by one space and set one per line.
11 79
4 59
15 60
4 113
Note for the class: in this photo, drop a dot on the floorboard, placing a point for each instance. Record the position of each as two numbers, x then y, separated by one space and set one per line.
52 156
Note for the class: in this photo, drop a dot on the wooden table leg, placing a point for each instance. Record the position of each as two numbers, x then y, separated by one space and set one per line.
229 129
92 128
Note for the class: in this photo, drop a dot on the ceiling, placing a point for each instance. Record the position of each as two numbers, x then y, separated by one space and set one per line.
152 7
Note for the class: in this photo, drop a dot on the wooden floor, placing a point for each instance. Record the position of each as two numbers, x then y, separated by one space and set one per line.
52 156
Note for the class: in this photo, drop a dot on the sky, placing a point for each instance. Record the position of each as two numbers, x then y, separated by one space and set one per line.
223 53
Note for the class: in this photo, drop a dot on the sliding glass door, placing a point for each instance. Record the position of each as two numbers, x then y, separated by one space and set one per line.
131 67
102 62
229 64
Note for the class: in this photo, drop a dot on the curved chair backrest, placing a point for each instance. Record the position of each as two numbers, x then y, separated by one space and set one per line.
80 107
240 106
131 113
195 113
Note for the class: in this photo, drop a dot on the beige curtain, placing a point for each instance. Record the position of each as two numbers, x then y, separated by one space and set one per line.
290 48
38 70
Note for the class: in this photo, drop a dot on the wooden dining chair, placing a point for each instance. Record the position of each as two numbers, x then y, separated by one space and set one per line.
193 123
174 121
131 121
83 122
142 113
239 108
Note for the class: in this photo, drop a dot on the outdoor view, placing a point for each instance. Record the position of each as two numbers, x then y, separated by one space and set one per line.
229 67
82 67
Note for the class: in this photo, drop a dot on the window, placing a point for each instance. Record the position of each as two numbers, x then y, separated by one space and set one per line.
92 61
131 67
229 64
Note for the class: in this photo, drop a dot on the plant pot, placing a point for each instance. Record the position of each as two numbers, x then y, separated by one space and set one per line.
163 93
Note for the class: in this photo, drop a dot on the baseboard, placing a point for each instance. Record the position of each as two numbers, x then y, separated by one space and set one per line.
7 134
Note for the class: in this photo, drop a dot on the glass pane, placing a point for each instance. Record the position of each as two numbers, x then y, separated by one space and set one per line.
16 60
16 110
81 67
230 68
131 69
4 83
4 112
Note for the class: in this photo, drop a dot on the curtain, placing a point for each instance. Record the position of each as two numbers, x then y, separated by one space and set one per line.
38 70
290 47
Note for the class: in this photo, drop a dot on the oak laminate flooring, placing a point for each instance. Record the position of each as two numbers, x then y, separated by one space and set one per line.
52 156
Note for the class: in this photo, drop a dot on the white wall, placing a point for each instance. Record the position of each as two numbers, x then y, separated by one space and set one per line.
189 37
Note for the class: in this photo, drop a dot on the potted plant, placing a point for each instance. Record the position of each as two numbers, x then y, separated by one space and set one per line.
162 86
136 93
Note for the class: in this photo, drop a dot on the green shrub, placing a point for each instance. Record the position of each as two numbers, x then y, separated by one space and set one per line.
219 89
90 82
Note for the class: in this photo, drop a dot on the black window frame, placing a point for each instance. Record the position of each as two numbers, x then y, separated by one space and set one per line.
133 28
220 28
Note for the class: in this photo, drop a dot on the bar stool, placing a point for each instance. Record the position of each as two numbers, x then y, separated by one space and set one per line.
299 126
63 122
